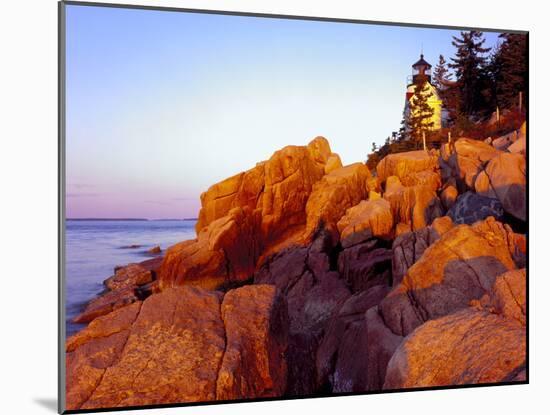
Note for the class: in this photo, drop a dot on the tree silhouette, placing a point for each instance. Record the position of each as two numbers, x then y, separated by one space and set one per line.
469 63
508 68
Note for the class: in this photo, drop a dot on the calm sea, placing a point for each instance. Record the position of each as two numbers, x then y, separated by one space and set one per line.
95 247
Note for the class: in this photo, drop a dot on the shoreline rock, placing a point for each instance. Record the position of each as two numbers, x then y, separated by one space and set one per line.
310 277
185 344
154 250
129 284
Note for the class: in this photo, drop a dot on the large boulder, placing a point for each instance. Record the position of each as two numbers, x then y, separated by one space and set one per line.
414 206
224 252
405 166
507 296
485 343
471 207
368 219
429 178
504 178
409 247
181 345
256 326
444 349
240 190
249 216
466 159
515 242
467 347
333 195
153 359
93 350
459 267
290 175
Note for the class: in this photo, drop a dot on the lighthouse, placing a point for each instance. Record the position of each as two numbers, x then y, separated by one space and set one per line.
423 70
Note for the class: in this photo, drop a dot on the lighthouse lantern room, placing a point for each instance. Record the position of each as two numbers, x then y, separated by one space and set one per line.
422 69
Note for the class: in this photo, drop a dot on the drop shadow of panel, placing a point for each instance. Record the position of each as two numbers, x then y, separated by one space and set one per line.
48 403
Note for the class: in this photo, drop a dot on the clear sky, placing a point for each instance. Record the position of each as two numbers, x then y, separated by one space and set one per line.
161 105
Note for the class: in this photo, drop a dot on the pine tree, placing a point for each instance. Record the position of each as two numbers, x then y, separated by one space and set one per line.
469 63
445 87
402 133
486 82
420 116
441 75
509 69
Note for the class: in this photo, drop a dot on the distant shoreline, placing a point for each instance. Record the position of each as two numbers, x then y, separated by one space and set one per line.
127 219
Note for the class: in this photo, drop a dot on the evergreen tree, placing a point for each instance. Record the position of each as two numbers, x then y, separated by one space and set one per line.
441 75
469 63
509 69
420 116
402 133
486 103
446 88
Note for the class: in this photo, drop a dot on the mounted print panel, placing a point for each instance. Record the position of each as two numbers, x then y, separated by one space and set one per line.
272 207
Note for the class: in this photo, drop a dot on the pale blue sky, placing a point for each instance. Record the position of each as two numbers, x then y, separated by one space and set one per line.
161 105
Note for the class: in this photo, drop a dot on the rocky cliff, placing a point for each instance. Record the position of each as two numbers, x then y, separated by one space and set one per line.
310 277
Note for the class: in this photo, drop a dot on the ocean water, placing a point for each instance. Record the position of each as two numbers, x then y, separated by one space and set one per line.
95 247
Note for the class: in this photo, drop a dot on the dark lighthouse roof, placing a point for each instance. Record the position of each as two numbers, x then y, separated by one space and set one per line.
422 70
421 62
